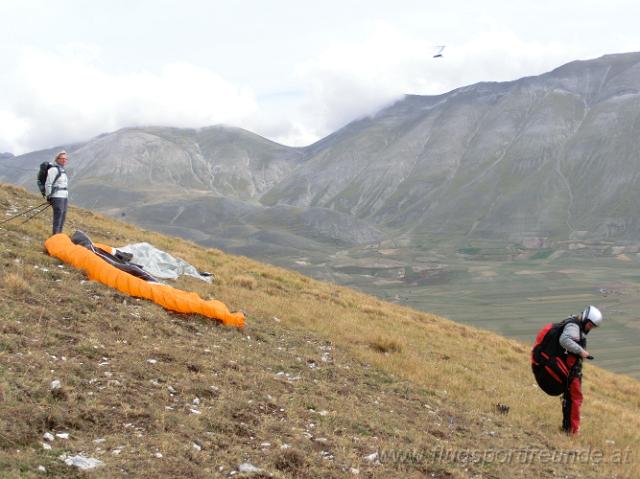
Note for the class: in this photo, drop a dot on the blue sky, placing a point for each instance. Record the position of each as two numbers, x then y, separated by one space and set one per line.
292 71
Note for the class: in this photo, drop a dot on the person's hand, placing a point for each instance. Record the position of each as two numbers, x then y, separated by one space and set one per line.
586 355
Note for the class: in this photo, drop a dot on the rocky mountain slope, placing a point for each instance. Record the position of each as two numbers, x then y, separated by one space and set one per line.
219 161
552 156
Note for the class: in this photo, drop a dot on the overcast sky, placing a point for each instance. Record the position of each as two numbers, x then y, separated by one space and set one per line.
290 70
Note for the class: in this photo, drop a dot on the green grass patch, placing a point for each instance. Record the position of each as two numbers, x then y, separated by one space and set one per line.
542 254
469 251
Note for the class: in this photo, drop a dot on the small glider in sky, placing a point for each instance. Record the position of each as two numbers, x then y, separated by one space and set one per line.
438 51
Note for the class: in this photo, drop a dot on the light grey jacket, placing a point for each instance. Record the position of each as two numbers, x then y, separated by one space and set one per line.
569 338
59 188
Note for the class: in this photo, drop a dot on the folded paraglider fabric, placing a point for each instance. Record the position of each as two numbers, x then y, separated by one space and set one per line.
173 299
107 254
158 263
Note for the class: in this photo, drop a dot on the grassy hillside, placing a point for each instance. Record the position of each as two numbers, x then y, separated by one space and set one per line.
513 294
320 380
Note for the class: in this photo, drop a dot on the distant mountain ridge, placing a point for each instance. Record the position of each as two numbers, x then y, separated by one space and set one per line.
550 157
221 161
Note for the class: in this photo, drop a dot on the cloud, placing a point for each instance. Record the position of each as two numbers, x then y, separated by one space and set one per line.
13 132
55 98
347 81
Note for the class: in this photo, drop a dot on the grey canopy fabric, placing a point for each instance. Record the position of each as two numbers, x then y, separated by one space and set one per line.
160 263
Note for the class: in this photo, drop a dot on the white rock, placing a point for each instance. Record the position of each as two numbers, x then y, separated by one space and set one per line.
47 436
354 471
55 384
46 446
371 457
248 467
265 444
171 389
324 413
285 446
63 435
197 447
152 361
196 401
194 411
158 455
42 469
100 440
81 462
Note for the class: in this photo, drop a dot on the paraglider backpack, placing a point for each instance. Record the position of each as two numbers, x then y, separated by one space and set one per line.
42 176
548 358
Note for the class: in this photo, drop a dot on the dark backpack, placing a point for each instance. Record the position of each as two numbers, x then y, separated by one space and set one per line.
548 358
42 176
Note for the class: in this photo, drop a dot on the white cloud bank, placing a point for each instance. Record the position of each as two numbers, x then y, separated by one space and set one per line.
348 81
56 98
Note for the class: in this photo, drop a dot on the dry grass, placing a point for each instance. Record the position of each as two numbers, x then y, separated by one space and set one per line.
244 281
437 386
385 345
15 284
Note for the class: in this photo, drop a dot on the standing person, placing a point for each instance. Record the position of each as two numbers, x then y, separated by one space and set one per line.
56 191
557 362
574 341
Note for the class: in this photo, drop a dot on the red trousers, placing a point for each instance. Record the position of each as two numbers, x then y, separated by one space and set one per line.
571 402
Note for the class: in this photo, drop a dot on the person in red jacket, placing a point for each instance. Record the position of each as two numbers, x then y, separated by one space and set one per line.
574 341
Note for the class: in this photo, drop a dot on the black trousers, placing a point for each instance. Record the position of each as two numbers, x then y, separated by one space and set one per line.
59 206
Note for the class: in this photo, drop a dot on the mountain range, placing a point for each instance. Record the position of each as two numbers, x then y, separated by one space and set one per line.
529 162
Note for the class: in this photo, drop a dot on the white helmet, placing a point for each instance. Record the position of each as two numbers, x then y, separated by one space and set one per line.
593 314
